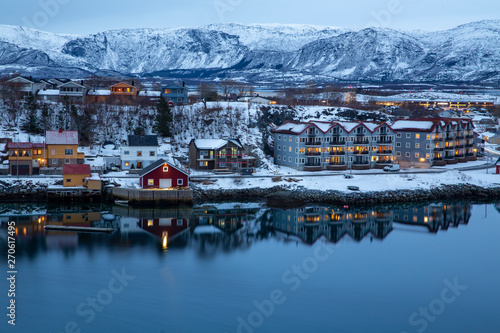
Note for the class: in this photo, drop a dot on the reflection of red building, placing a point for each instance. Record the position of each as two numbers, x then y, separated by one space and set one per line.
167 229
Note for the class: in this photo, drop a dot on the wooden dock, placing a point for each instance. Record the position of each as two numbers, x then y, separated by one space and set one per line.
76 229
153 196
72 193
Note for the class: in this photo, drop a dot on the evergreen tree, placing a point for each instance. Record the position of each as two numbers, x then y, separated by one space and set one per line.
45 117
163 119
32 123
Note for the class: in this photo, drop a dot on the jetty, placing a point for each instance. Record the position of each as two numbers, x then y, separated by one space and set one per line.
77 229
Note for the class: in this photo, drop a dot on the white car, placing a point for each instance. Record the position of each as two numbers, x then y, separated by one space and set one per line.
393 168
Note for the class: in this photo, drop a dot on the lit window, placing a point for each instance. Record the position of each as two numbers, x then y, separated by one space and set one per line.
127 164
417 136
139 153
150 223
151 182
151 153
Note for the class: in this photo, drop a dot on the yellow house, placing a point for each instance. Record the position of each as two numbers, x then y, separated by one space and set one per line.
62 148
75 174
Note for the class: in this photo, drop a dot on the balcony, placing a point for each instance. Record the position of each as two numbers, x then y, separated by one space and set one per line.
449 138
337 143
384 152
470 155
361 142
361 152
385 141
438 149
460 146
337 153
460 137
337 166
450 148
360 163
438 158
470 145
313 153
311 134
313 167
313 143
469 136
438 139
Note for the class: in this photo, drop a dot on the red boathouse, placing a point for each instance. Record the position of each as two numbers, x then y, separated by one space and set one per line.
163 175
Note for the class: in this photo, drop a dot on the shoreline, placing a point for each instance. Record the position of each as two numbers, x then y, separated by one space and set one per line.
285 196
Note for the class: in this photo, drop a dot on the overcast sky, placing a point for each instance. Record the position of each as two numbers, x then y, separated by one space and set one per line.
88 16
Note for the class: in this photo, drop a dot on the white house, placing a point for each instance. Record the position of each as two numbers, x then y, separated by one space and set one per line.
140 151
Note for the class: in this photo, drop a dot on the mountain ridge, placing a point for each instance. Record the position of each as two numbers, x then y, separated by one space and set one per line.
261 52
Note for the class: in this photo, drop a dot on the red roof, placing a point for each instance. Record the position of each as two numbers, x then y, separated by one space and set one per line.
76 169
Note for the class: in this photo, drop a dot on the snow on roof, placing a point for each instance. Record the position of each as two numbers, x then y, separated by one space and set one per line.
49 92
95 161
401 125
61 138
100 92
371 126
324 127
206 229
348 125
292 127
210 143
150 93
93 176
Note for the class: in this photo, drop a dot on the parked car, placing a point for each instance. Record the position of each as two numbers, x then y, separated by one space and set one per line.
392 168
348 176
246 171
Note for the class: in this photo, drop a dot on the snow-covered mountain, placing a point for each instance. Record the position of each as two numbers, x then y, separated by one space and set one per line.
260 52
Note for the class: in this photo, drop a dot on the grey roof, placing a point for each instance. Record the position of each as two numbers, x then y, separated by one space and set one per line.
143 141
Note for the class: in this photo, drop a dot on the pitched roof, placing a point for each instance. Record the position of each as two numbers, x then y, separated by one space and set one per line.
61 137
122 84
156 165
143 141
174 85
24 145
76 169
211 144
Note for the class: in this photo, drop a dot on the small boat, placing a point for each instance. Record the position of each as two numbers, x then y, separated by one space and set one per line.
353 188
121 203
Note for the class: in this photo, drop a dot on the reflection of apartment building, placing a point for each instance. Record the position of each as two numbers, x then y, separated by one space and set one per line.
228 220
434 217
311 223
434 142
316 145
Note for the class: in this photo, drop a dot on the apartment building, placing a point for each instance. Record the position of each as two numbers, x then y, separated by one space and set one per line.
316 145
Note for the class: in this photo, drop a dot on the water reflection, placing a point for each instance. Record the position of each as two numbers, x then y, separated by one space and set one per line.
212 229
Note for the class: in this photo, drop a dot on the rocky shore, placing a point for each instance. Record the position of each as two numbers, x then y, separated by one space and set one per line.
283 196
279 196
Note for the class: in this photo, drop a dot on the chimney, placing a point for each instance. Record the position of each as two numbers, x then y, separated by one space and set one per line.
183 83
81 82
31 78
133 83
60 130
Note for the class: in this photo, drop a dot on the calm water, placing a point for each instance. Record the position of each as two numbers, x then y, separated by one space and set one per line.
246 268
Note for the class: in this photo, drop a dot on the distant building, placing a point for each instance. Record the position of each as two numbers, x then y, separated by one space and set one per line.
175 93
163 175
26 84
213 154
124 91
257 100
73 90
140 151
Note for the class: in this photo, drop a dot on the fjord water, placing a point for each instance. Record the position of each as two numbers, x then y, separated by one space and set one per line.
246 268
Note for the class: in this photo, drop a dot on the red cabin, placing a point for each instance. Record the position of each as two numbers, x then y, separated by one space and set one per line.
163 175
